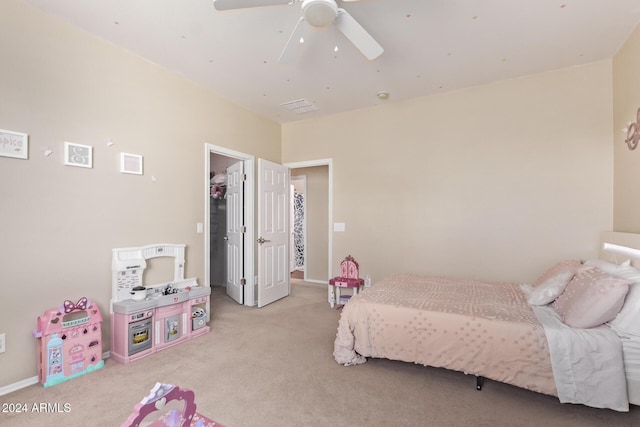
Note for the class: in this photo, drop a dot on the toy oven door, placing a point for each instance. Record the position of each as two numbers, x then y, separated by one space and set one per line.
140 336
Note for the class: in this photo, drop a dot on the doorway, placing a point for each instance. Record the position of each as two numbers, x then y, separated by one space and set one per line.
218 218
317 218
249 293
298 231
235 273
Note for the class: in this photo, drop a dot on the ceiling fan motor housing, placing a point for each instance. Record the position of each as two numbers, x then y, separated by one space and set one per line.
319 13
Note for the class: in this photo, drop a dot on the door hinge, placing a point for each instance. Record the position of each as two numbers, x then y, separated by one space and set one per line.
243 281
243 228
243 177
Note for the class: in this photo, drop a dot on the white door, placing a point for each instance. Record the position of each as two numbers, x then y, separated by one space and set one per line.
235 231
273 232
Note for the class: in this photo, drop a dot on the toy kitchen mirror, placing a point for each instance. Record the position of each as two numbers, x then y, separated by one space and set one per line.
129 264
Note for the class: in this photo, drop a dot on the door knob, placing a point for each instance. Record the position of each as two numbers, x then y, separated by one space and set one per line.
261 240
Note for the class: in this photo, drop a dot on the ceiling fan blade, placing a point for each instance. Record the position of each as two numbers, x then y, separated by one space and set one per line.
292 47
243 4
358 35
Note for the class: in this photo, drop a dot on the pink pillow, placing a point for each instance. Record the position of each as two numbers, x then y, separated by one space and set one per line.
591 298
560 268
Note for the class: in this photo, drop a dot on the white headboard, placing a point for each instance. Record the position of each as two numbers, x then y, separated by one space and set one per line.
626 244
629 240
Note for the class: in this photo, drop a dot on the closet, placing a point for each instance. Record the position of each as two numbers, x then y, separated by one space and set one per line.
218 218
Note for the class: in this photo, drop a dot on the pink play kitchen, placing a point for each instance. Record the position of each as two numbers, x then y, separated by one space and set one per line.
149 318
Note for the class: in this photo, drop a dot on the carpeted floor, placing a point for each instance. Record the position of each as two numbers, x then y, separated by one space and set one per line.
274 367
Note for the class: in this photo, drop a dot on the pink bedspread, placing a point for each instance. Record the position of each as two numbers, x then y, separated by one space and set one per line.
485 329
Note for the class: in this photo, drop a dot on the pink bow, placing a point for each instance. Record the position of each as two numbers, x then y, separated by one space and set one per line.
69 306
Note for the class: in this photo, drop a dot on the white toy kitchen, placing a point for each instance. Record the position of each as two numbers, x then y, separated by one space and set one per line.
149 318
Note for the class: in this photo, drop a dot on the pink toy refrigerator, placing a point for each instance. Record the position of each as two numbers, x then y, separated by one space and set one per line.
69 342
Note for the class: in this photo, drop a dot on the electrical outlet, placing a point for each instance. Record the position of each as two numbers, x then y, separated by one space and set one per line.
3 343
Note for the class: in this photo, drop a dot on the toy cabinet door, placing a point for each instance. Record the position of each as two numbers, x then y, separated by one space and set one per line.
353 271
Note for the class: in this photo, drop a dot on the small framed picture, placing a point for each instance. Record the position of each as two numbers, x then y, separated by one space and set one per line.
131 163
78 155
14 144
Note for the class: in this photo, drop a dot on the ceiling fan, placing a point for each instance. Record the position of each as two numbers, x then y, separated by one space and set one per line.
319 14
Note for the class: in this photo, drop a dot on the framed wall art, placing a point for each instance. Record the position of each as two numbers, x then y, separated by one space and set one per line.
78 155
131 163
14 144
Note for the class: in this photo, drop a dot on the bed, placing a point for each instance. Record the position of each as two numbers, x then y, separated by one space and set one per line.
573 333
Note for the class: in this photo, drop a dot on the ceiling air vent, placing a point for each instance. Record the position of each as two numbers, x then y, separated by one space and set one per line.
299 106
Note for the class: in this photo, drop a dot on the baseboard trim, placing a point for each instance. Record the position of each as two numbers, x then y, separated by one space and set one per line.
322 282
31 381
19 385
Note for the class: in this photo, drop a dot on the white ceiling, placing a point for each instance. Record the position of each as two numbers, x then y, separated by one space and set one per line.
431 46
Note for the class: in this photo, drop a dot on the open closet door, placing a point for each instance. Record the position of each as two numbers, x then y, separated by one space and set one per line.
235 232
273 232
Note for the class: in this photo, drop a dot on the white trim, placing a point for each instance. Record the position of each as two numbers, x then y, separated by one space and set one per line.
249 297
329 164
322 282
31 381
19 385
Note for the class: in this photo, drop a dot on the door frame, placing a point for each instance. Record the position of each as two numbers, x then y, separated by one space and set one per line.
329 163
249 160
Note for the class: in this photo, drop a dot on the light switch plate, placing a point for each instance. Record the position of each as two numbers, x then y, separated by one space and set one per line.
339 226
3 343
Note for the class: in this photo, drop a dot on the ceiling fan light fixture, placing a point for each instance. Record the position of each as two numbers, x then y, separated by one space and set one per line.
319 13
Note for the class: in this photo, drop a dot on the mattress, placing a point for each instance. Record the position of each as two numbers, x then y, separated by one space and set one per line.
484 329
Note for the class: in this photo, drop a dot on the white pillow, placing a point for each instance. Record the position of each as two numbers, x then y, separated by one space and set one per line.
550 289
606 266
628 319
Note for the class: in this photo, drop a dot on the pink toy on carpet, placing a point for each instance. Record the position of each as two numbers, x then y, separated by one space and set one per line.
159 400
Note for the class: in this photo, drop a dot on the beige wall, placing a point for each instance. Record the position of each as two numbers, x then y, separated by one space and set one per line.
626 92
493 182
317 220
58 223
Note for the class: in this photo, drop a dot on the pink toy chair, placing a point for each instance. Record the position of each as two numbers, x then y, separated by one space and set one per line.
176 405
349 278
